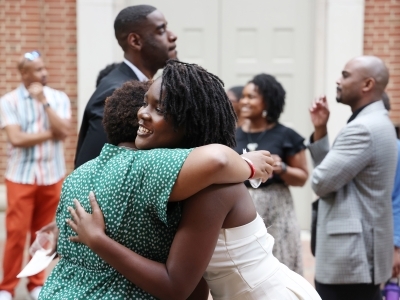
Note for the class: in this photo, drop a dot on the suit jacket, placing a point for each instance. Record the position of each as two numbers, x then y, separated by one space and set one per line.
92 136
354 180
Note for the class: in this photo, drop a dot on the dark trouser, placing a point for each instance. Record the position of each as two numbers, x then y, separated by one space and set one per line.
367 291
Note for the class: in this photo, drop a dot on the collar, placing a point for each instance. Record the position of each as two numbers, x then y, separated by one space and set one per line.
357 112
135 70
24 91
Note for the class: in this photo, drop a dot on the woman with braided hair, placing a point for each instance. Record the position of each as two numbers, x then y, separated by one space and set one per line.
185 108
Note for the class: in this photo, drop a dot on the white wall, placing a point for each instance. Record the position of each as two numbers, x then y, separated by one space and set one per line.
97 45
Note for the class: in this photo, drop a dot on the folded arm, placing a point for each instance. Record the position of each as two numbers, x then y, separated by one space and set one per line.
61 127
19 138
350 154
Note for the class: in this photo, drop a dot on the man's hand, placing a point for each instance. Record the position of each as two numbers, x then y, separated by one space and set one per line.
319 113
87 226
263 163
396 262
58 136
36 91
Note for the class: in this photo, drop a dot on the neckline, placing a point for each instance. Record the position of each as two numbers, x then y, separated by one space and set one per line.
253 145
128 148
267 129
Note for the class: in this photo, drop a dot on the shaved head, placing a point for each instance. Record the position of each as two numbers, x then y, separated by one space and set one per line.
22 63
363 81
373 67
32 71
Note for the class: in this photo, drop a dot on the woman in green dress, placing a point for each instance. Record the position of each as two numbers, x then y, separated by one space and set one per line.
133 188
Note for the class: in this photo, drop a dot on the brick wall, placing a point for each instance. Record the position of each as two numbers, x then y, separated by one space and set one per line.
50 27
382 38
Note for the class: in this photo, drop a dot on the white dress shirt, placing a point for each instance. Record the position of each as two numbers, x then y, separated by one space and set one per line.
135 70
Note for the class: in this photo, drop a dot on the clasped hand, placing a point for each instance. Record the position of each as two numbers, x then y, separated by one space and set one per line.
263 163
88 227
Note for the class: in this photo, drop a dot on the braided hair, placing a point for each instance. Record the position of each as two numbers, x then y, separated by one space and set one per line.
272 93
195 100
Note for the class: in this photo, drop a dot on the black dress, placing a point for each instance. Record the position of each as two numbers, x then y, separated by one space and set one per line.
272 199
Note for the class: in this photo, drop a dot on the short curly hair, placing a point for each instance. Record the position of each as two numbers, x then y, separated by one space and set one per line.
272 93
120 119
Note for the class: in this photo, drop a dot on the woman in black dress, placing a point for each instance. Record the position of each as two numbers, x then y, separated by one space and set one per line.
262 103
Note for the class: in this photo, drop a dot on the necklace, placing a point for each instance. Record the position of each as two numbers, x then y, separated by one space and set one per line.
252 146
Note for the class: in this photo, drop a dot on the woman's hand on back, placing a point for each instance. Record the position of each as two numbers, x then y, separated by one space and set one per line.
263 163
87 226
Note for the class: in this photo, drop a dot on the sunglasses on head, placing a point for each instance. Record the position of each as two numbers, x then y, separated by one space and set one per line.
32 55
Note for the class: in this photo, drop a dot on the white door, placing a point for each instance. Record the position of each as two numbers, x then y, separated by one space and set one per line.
274 37
195 22
237 39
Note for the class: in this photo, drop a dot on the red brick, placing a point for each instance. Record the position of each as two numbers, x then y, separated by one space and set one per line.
25 26
382 38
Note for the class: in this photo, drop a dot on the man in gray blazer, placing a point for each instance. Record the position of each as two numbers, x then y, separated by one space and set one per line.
354 180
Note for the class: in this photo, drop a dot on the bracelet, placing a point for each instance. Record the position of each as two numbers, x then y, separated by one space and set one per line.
251 165
46 105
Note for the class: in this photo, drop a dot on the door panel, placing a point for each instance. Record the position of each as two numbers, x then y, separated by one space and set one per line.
274 37
195 22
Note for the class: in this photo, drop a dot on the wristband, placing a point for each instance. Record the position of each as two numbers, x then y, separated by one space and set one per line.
251 165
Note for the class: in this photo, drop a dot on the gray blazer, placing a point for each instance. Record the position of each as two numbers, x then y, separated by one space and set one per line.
355 180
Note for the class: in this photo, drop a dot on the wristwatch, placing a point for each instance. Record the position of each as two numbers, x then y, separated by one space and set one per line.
46 105
283 167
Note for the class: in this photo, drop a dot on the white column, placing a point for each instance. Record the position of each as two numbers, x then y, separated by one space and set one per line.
96 45
344 40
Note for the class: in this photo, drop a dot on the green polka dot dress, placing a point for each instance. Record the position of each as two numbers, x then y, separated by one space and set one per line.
132 189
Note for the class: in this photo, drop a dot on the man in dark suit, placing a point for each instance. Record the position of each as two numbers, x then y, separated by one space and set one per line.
142 33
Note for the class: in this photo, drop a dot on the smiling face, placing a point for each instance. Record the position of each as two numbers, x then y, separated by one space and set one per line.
154 130
252 103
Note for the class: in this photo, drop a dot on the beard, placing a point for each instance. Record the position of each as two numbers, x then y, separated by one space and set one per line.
155 53
339 95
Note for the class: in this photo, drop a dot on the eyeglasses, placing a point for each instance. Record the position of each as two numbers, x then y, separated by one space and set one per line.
32 55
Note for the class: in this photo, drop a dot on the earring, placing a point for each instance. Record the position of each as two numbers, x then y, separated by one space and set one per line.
264 113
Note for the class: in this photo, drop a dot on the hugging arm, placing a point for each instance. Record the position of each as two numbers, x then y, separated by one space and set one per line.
218 164
190 253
